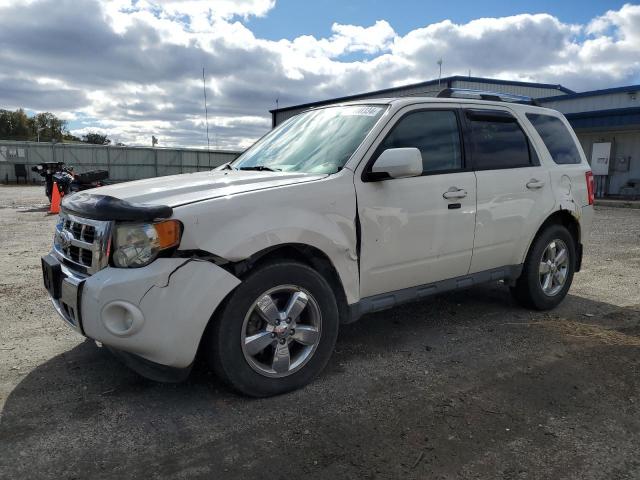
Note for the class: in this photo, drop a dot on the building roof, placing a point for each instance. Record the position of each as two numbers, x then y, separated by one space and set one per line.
613 118
592 93
444 81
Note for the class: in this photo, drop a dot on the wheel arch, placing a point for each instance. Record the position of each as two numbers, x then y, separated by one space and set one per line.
570 221
305 254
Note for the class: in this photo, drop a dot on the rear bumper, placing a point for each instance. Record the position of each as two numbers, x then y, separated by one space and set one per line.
586 219
151 315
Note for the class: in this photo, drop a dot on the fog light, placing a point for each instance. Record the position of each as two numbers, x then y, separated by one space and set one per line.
122 319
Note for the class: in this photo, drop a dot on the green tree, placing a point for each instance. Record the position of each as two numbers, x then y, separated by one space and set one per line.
50 126
96 138
21 126
14 125
18 125
6 128
69 137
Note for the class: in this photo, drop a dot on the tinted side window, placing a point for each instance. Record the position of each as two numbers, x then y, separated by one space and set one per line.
498 144
435 133
556 138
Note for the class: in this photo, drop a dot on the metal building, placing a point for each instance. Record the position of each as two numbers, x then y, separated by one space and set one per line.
431 89
607 122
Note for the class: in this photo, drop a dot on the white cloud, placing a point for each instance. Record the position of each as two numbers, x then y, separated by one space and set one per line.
215 8
133 68
346 39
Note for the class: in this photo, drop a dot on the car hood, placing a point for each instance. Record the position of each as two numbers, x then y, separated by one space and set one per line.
176 190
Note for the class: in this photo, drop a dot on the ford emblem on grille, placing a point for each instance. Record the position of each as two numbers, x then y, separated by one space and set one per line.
65 239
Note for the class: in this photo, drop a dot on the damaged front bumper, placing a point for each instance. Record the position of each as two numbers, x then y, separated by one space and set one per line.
154 316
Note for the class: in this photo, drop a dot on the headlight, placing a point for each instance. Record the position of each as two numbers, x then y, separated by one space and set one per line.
139 244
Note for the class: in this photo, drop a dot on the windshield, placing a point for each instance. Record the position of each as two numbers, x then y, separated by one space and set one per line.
317 141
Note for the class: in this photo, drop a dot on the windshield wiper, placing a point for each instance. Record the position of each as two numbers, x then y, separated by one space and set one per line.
261 168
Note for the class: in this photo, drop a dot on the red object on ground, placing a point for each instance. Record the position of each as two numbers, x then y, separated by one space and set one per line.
55 199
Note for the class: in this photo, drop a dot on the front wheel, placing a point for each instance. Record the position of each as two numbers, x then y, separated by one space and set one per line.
548 270
276 331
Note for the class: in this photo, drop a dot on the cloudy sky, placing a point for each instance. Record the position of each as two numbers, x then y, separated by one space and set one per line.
133 68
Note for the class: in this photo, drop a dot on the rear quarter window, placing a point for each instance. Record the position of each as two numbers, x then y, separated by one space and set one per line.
556 138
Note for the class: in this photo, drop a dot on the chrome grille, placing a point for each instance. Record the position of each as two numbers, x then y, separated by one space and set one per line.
81 231
82 243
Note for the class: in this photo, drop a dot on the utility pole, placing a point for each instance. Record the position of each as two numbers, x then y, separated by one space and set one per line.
206 119
206 112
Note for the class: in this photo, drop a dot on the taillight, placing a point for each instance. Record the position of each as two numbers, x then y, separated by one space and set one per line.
590 187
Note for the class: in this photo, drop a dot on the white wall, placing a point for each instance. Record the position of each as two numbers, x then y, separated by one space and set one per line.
623 143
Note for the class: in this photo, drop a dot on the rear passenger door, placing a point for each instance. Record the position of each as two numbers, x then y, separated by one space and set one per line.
514 193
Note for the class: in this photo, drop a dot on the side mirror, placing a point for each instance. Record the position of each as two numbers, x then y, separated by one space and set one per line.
397 163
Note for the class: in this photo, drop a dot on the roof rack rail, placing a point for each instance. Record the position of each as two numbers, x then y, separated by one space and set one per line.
483 95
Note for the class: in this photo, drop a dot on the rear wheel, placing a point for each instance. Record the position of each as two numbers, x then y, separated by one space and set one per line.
548 270
276 331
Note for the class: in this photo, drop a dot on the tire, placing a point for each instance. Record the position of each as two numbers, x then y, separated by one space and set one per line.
254 369
531 290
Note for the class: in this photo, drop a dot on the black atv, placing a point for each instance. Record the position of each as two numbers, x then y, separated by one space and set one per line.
66 179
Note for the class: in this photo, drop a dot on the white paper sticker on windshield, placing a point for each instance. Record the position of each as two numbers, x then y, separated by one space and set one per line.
365 111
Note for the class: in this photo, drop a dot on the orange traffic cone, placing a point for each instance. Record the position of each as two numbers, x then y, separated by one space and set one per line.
55 199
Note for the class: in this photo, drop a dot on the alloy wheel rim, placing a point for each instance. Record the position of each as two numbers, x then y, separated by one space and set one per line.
554 267
281 331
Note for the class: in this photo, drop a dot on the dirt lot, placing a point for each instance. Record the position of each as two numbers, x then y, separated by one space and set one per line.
467 385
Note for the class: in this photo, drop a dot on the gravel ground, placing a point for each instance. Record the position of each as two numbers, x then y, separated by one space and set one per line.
466 385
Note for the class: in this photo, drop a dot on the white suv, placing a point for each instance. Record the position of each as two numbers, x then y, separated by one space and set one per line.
340 211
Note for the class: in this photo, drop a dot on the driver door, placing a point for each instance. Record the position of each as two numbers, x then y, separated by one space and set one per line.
418 230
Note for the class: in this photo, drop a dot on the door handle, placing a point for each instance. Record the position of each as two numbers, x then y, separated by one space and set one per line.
454 192
534 184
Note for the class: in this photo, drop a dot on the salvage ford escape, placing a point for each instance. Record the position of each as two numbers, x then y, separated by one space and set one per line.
340 211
